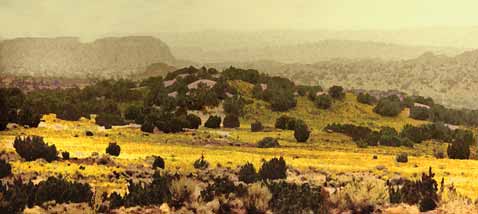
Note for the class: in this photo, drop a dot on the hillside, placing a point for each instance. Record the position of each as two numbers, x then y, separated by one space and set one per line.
68 57
309 52
448 80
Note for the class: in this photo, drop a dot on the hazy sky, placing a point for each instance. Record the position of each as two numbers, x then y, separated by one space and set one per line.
100 17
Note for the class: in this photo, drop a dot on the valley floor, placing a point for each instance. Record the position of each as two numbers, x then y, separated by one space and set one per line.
325 152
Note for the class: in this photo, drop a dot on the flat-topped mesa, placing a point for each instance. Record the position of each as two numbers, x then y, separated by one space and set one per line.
67 56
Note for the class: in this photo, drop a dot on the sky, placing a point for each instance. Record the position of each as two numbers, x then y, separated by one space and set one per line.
87 18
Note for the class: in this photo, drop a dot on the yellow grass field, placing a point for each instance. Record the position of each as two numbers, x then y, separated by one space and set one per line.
324 151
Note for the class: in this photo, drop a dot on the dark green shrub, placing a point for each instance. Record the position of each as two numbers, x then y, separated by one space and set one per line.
373 138
419 113
248 173
423 192
231 121
416 134
139 194
234 105
69 112
361 144
439 154
193 121
323 101
458 150
222 187
283 101
33 147
285 122
402 158
366 98
29 117
296 198
256 126
213 122
16 196
301 132
5 168
148 125
388 107
113 149
337 92
404 141
134 113
268 142
201 163
273 169
386 130
62 191
390 140
107 120
158 162
65 155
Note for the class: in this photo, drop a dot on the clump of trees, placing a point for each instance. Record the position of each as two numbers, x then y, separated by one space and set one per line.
323 101
33 147
285 122
389 106
337 92
366 98
419 113
18 195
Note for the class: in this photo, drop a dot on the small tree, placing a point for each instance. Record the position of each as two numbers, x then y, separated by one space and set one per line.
366 98
5 168
213 122
193 121
201 163
323 101
458 150
248 173
337 92
256 126
69 112
273 169
231 121
134 113
29 117
419 113
113 149
301 132
388 107
158 162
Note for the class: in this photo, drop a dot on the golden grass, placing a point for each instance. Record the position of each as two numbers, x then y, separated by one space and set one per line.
330 152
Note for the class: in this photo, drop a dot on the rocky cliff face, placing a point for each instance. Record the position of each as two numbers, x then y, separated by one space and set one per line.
68 57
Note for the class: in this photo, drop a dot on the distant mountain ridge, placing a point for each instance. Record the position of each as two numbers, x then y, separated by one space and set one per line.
309 52
67 56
